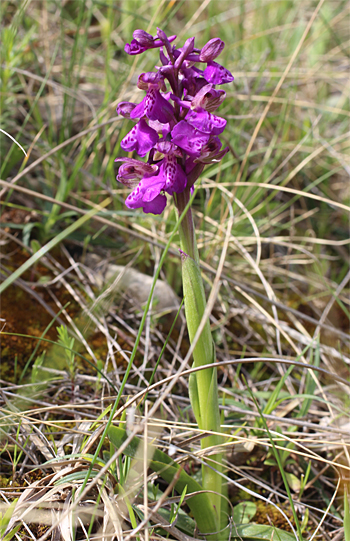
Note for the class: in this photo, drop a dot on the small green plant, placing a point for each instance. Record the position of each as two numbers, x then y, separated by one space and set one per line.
37 366
67 343
196 499
18 450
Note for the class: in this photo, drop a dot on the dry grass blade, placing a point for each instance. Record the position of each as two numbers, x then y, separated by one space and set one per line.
272 223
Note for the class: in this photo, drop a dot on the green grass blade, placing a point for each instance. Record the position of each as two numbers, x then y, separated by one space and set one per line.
346 517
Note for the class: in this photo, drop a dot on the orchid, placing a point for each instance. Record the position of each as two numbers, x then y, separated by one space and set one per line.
177 128
181 115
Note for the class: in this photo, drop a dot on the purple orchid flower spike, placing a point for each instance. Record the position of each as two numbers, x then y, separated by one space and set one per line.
175 125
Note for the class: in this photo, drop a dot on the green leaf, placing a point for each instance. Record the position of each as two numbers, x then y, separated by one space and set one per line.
167 468
12 533
4 521
244 512
260 532
194 398
183 522
293 481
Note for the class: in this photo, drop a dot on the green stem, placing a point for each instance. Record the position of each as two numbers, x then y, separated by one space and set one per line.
203 384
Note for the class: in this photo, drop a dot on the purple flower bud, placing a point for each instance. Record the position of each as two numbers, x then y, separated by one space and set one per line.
124 108
163 58
188 138
144 38
164 39
208 98
211 50
141 138
216 74
162 35
185 51
206 122
132 171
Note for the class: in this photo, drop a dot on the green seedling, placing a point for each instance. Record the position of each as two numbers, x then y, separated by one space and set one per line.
176 508
4 522
37 366
67 350
18 452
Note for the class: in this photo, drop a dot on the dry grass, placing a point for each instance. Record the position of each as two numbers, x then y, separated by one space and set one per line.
281 292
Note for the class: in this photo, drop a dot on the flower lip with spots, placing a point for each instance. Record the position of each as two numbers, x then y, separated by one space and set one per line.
175 124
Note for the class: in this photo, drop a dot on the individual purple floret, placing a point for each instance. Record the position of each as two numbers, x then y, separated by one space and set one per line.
143 41
211 50
175 125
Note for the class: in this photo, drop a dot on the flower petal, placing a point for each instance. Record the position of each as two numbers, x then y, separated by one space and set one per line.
157 107
134 47
156 206
216 74
175 178
132 171
208 98
188 138
147 195
152 186
139 110
206 122
125 108
141 138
